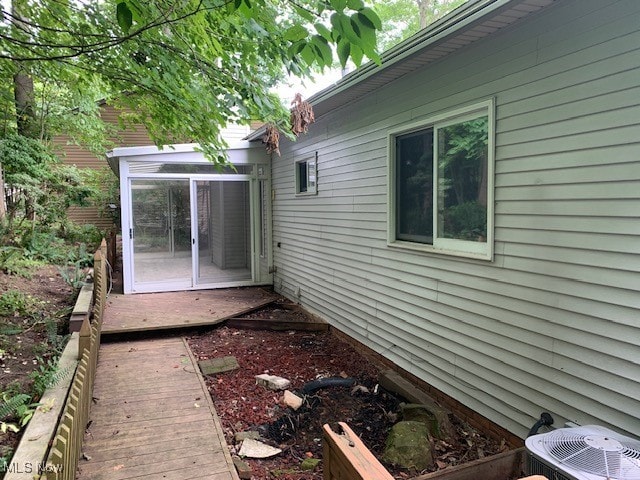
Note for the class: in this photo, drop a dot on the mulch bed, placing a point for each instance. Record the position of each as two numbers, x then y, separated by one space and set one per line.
303 357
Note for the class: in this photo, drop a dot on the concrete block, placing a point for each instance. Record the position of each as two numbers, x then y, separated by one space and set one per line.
272 382
291 400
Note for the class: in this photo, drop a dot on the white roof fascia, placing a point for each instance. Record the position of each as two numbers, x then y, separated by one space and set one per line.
445 27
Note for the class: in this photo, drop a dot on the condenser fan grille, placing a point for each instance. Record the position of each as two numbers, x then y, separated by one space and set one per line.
606 454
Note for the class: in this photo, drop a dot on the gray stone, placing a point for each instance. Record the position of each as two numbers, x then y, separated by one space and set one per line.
212 366
435 418
243 468
241 436
408 446
254 449
272 382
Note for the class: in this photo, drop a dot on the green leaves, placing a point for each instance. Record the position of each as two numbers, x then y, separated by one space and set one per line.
124 17
371 17
295 33
188 67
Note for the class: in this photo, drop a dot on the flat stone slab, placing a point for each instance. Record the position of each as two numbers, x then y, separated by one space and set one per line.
254 449
211 366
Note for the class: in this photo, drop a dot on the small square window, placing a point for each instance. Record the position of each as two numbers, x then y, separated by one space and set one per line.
306 176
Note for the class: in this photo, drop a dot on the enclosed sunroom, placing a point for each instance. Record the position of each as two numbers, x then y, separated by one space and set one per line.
188 224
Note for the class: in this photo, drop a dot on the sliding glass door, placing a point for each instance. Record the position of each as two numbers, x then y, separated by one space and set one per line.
224 231
161 232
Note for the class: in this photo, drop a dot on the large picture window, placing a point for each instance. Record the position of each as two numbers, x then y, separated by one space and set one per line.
441 183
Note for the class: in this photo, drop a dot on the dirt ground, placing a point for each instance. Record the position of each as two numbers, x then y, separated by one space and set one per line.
26 341
303 357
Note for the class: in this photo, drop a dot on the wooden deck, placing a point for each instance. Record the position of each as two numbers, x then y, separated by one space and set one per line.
152 417
170 310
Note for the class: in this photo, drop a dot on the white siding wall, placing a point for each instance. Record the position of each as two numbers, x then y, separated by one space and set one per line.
552 324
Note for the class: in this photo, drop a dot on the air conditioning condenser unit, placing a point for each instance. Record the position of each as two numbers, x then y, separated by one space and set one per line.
588 452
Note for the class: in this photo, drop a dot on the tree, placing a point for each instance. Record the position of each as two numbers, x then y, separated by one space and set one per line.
185 68
403 18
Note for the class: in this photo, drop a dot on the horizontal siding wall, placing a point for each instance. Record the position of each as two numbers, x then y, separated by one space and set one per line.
79 156
552 324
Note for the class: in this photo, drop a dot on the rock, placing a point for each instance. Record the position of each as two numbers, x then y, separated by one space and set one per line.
218 365
242 436
291 400
435 418
392 381
309 463
243 468
408 446
254 449
272 382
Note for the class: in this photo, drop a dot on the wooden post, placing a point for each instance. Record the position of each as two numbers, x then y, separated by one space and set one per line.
98 260
84 340
346 457
112 247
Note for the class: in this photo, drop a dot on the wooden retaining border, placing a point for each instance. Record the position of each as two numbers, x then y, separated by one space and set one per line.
345 457
51 443
66 448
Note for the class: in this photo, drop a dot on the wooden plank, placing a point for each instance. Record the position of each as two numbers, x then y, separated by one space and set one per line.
154 446
162 311
276 324
126 470
497 467
97 434
347 457
157 427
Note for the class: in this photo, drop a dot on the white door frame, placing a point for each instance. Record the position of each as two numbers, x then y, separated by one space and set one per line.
127 230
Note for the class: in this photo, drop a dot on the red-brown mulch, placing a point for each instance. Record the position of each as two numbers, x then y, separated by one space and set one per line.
303 357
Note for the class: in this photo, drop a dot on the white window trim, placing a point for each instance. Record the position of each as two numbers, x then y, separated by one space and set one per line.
312 163
454 247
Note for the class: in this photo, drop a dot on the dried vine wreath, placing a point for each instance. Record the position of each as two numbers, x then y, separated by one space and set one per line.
271 139
301 117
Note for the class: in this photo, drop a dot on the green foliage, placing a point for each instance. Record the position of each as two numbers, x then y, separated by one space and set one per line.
33 248
43 189
467 221
401 18
105 187
47 375
13 262
188 68
73 275
15 411
462 164
18 304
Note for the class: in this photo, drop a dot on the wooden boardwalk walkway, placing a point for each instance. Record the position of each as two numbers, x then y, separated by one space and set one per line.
171 310
152 417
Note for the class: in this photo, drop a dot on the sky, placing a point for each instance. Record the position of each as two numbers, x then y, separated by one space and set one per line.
287 90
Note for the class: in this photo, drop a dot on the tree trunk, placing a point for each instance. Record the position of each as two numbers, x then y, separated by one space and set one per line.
24 101
3 198
425 7
22 82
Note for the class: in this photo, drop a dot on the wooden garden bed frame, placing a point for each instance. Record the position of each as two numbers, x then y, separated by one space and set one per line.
345 457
